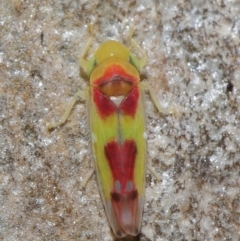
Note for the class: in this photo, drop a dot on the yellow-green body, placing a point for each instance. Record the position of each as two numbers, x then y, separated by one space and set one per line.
117 124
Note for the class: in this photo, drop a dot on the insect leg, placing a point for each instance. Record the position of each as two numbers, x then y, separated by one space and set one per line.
82 61
87 177
147 87
82 95
134 44
153 172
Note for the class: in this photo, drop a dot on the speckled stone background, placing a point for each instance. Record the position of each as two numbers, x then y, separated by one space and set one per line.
193 48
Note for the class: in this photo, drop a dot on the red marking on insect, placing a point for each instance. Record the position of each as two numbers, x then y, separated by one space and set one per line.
114 70
124 196
130 103
105 106
121 159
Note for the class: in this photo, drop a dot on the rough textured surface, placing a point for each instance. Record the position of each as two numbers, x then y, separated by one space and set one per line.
193 49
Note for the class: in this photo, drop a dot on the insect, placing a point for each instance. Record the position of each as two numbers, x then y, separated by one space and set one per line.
115 102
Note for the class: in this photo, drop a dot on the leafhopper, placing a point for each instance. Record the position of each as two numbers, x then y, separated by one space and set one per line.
115 103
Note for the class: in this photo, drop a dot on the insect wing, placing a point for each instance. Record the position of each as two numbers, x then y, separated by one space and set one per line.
119 151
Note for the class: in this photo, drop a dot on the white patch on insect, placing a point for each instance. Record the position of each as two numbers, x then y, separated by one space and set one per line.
129 186
117 100
144 135
94 138
118 186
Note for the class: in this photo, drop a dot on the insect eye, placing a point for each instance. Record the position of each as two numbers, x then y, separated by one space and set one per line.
134 61
91 65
